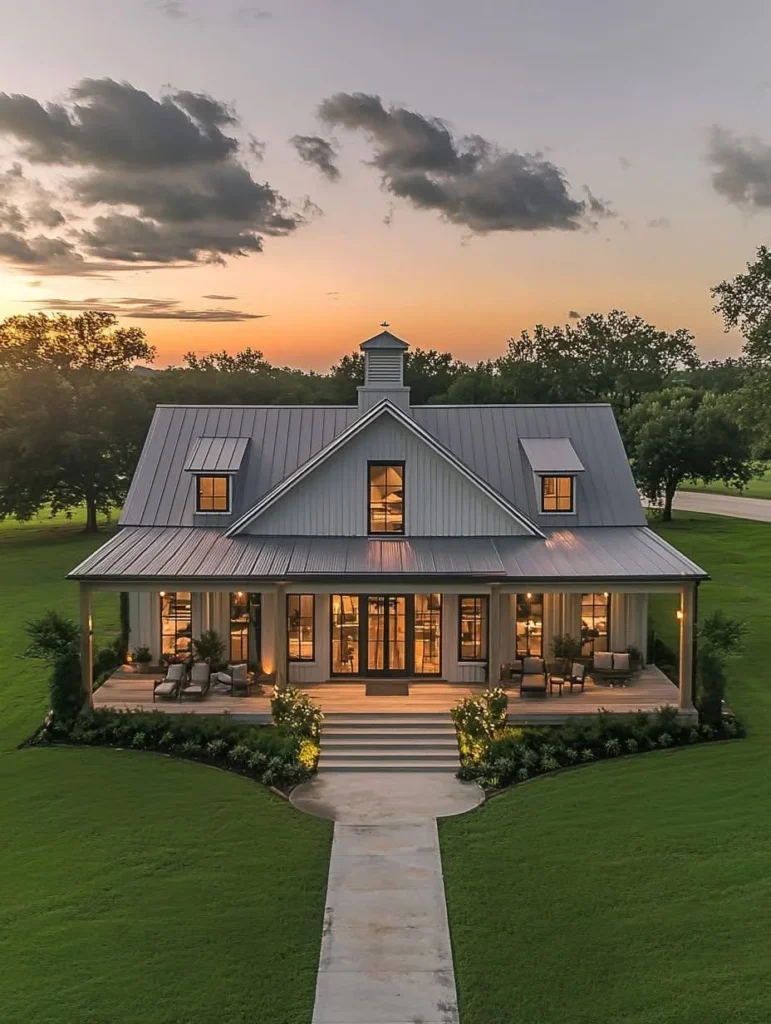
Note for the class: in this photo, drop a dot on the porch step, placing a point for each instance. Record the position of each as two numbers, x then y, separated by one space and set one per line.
388 742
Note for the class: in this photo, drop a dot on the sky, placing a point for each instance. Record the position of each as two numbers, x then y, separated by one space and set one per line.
286 175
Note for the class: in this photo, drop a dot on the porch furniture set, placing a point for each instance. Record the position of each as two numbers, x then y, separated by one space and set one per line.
533 676
196 684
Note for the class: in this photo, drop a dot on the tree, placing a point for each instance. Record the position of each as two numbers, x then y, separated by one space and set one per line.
91 340
248 360
615 358
681 432
745 302
68 440
428 374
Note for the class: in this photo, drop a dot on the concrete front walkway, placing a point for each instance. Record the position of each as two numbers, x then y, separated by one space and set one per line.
385 951
724 505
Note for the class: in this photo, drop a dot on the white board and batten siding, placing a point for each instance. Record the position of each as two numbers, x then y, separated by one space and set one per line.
439 500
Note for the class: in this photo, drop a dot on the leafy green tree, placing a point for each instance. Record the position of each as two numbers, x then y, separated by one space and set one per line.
681 433
427 373
248 360
91 340
68 440
613 358
744 302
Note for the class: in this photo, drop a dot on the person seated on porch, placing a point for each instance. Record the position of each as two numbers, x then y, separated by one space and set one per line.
535 678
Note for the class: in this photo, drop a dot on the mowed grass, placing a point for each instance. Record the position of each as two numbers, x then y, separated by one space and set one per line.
135 887
758 487
637 891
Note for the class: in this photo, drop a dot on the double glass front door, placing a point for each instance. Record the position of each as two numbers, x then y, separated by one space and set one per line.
386 634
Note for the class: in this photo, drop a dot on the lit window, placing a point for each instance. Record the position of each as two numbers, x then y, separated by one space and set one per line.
428 634
557 494
213 494
245 628
176 625
529 625
595 623
472 628
345 634
386 497
299 626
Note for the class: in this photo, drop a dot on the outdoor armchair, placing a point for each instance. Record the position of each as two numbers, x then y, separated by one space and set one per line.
535 678
168 688
200 680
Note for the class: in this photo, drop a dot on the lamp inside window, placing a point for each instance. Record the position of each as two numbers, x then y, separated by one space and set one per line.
386 497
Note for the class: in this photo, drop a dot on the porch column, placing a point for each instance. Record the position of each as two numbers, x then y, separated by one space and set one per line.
686 614
86 643
280 635
494 638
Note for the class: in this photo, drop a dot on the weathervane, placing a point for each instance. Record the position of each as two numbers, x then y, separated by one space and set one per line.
385 323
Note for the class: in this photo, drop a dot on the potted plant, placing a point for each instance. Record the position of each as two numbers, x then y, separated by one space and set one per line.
209 647
566 649
142 658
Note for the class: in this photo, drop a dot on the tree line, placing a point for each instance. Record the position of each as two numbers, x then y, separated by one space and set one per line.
76 399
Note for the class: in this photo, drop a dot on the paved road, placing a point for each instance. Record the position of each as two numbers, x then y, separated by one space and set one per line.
724 505
385 950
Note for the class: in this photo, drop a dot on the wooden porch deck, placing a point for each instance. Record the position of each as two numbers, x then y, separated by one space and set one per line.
650 690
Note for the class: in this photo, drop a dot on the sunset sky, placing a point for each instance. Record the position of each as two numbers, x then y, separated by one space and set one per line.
588 156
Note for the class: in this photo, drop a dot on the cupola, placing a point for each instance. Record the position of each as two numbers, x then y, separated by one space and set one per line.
384 372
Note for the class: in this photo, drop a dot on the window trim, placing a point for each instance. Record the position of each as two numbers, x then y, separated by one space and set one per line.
484 633
299 659
558 511
386 533
209 511
183 656
411 614
608 618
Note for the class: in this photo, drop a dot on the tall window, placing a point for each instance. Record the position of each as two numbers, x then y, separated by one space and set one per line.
176 625
300 626
472 628
529 625
557 494
345 634
386 497
213 494
245 628
428 634
595 623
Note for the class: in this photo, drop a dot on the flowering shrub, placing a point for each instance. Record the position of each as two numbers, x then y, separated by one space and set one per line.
479 720
294 710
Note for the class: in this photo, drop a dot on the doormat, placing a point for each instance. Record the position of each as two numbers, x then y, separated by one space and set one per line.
388 689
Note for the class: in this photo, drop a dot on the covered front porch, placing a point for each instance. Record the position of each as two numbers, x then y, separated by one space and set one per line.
650 689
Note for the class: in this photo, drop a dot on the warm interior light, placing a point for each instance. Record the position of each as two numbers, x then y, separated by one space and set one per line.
679 613
162 593
528 596
606 594
240 593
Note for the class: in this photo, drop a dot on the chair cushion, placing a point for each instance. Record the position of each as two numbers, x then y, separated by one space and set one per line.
603 660
194 688
532 665
166 687
223 677
240 673
533 681
199 673
621 661
577 670
176 672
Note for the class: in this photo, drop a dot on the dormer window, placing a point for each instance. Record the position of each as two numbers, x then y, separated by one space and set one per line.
557 493
212 493
386 497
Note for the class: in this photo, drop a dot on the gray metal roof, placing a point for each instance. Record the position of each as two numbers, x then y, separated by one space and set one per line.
217 455
602 553
485 438
383 340
551 455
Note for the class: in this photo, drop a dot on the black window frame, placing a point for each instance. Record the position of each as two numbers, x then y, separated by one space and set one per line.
484 638
386 533
558 511
529 599
432 613
252 627
590 640
301 658
212 511
187 652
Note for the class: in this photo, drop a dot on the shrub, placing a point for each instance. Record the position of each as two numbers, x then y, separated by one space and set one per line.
142 655
480 720
52 637
66 688
295 711
711 684
209 647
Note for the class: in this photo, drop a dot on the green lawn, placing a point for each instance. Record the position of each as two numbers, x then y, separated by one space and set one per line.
759 487
135 887
635 891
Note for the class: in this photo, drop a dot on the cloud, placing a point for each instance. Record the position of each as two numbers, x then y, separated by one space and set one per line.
159 181
742 168
659 222
469 180
573 314
317 152
174 9
221 298
148 309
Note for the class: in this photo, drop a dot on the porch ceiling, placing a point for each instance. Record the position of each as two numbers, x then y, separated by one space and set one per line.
145 554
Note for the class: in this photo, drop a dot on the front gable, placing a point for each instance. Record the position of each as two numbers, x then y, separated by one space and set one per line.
328 496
